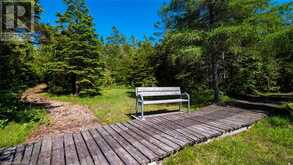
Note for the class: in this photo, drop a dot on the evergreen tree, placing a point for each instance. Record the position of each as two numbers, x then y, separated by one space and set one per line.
226 40
75 67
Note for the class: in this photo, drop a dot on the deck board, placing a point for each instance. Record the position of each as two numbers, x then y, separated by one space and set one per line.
135 142
58 151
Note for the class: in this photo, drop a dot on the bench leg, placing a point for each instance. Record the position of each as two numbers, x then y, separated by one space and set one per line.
180 105
136 107
141 114
188 105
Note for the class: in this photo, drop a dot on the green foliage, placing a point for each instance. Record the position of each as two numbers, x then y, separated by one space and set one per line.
15 68
17 120
128 64
238 46
75 66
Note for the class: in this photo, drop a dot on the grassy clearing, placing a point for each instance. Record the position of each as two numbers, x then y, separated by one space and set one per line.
16 132
268 142
113 105
117 104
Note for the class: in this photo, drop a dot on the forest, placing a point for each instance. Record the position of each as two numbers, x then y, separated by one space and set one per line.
209 48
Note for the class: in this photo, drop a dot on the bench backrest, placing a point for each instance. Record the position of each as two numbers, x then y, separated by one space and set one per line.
158 91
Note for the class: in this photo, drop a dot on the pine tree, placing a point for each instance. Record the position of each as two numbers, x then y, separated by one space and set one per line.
76 61
226 39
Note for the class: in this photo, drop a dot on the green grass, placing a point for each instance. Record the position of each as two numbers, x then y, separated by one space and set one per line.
16 132
268 142
113 105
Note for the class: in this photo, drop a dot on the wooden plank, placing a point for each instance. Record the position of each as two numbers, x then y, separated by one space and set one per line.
150 138
185 127
173 133
212 123
159 152
58 155
224 117
138 145
198 125
161 136
184 131
27 154
116 147
19 154
46 150
127 146
195 128
94 149
70 151
36 152
82 151
216 122
105 148
215 118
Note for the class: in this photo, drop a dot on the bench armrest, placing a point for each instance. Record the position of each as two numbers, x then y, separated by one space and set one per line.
186 94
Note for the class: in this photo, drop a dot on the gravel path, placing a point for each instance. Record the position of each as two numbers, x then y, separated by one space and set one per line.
64 117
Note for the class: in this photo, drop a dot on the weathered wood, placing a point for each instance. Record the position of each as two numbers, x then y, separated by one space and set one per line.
27 154
19 154
125 144
106 149
165 133
205 134
94 149
58 155
155 149
184 131
150 138
36 152
182 140
138 145
70 151
164 138
135 142
198 126
184 126
82 151
118 149
45 153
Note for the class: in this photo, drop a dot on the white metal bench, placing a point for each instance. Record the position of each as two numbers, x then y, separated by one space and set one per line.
144 93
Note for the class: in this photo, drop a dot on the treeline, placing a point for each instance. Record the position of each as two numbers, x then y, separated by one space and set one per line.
230 47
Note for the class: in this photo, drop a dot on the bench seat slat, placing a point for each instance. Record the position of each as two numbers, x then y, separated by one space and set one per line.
164 101
167 93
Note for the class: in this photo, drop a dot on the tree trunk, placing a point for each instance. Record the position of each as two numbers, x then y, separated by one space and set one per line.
75 87
213 54
215 78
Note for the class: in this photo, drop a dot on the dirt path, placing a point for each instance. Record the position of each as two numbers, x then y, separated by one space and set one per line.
64 117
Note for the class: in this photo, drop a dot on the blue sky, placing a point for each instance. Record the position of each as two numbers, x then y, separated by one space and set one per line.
131 17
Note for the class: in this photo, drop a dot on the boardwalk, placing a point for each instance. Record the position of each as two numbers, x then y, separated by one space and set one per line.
135 142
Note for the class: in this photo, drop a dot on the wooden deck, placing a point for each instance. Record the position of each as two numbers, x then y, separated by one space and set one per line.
135 142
